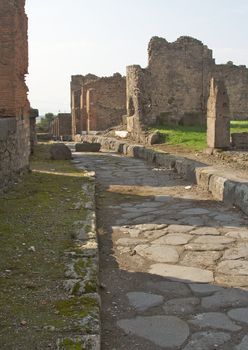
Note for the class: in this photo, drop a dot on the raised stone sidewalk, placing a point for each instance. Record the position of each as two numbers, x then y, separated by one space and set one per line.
224 187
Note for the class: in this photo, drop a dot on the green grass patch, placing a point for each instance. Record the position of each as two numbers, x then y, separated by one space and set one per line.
36 228
192 137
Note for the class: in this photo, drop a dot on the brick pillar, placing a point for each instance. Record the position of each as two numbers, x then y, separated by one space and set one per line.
91 113
218 116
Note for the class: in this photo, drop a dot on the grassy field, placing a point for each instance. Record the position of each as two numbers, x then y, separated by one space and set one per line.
193 137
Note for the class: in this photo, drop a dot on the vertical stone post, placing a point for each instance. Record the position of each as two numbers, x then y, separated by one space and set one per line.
218 116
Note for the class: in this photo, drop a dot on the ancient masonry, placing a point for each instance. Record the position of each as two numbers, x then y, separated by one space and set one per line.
175 85
61 128
33 114
218 116
97 103
14 105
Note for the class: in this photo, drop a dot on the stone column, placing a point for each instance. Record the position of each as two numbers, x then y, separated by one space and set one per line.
218 116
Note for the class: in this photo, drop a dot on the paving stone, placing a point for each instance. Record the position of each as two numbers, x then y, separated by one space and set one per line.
158 253
233 267
243 345
150 227
212 231
161 198
155 234
143 301
124 250
204 247
173 239
143 219
180 228
214 240
134 233
148 205
227 218
240 314
226 298
130 241
182 273
236 253
232 280
204 289
192 221
170 288
215 320
164 331
208 340
200 259
181 306
194 211
238 234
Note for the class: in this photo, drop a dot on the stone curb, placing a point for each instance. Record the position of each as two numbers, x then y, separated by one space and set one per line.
231 190
81 273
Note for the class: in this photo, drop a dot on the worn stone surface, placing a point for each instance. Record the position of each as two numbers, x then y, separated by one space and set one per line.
173 239
143 301
206 231
187 285
236 253
165 331
226 298
181 306
243 345
200 259
158 253
215 320
182 273
208 340
240 314
204 289
233 267
168 288
130 241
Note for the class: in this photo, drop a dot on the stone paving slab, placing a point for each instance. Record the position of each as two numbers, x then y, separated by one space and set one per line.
171 264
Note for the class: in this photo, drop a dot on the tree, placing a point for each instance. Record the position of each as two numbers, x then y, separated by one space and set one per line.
45 122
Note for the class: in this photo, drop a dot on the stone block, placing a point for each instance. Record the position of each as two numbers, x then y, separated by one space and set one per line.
88 147
60 151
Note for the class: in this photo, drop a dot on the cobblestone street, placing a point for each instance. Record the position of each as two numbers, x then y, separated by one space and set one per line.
173 262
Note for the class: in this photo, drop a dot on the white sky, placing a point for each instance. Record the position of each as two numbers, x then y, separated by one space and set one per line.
102 37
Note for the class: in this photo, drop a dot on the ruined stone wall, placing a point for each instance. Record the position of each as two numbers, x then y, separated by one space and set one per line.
109 102
109 99
61 127
174 88
179 74
14 105
78 107
236 81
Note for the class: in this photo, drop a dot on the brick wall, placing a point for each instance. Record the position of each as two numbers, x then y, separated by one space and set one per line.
109 100
62 127
14 105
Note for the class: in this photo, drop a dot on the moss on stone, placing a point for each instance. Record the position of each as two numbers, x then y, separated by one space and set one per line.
78 307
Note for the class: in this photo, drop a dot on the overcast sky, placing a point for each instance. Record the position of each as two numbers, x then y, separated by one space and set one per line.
102 37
